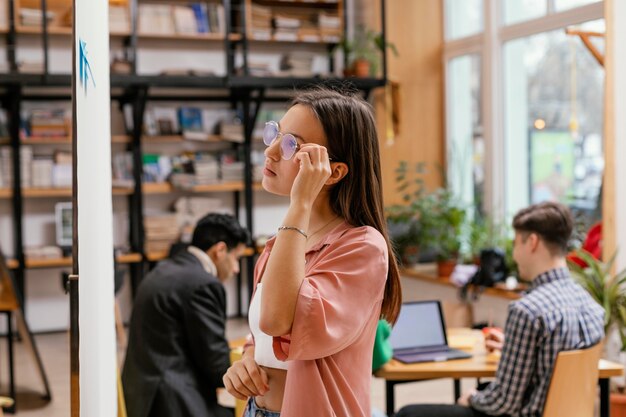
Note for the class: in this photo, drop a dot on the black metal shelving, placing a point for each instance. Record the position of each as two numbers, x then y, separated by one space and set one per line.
245 92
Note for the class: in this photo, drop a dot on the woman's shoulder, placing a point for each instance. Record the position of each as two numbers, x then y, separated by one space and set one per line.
366 236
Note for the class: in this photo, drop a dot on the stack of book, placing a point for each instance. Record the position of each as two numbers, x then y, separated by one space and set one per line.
34 17
261 22
286 27
6 167
206 169
330 27
119 19
232 171
160 231
191 209
62 170
46 122
42 172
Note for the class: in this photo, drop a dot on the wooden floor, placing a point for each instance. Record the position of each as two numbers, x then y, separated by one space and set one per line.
54 350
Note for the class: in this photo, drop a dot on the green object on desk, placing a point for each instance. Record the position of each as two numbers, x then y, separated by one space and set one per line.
382 347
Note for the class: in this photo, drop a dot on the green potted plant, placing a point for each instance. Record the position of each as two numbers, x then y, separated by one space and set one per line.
609 290
364 52
442 220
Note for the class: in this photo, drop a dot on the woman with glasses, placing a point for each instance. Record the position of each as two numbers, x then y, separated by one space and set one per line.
329 274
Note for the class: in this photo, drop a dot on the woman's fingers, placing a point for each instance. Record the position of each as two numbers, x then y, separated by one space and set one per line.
246 379
255 376
230 388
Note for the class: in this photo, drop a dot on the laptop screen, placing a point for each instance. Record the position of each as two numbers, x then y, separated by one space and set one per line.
419 325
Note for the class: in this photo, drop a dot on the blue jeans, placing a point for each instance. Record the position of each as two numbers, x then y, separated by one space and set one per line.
252 410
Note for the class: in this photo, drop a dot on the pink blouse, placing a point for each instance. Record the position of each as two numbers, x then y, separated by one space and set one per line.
329 350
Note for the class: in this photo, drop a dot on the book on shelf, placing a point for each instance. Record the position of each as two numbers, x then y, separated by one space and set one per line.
42 252
6 167
34 17
4 15
160 232
185 20
166 120
156 168
191 123
42 172
122 170
217 18
119 19
201 15
156 19
30 67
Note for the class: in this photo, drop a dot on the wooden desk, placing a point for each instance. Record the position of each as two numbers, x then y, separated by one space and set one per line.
480 365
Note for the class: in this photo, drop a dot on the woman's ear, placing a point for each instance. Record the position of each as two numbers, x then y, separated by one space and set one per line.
338 170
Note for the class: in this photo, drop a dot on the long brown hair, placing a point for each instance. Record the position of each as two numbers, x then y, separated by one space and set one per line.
350 129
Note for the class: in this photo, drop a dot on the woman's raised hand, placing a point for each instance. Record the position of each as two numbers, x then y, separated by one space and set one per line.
314 172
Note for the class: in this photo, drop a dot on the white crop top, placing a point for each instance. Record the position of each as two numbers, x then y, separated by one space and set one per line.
263 351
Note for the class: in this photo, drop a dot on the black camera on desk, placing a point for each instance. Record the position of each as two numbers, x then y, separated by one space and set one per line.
492 270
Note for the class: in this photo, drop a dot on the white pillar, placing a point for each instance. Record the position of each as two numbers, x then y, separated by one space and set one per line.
615 216
95 237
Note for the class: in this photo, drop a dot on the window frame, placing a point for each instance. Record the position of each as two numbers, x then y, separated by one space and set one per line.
489 45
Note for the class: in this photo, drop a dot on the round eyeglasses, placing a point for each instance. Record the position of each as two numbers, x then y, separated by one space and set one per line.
288 143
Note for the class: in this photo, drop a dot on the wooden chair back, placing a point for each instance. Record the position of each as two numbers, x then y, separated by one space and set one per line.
573 387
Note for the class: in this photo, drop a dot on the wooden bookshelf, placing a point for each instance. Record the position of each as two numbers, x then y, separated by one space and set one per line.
157 256
64 140
179 139
300 10
165 187
127 258
298 39
54 192
56 31
184 37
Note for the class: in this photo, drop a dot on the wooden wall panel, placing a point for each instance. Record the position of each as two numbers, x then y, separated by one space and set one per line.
416 28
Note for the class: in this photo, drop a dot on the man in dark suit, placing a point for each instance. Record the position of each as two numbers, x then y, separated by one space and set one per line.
177 351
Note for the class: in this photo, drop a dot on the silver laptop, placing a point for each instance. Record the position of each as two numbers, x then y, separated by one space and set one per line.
419 335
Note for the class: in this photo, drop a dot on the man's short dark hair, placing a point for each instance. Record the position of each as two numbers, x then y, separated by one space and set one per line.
217 227
551 221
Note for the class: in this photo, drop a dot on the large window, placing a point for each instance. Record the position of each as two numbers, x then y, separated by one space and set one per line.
524 104
466 147
553 90
463 18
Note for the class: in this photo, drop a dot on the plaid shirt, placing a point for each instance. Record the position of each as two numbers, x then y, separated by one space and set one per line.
557 314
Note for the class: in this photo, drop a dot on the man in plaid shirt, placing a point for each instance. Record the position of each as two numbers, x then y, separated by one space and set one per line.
556 315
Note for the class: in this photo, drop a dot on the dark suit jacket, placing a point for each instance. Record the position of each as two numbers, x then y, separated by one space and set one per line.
177 351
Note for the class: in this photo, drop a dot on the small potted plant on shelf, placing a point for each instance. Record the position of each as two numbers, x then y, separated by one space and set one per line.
364 52
442 219
609 290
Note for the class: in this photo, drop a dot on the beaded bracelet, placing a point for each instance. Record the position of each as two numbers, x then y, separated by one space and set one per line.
295 229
